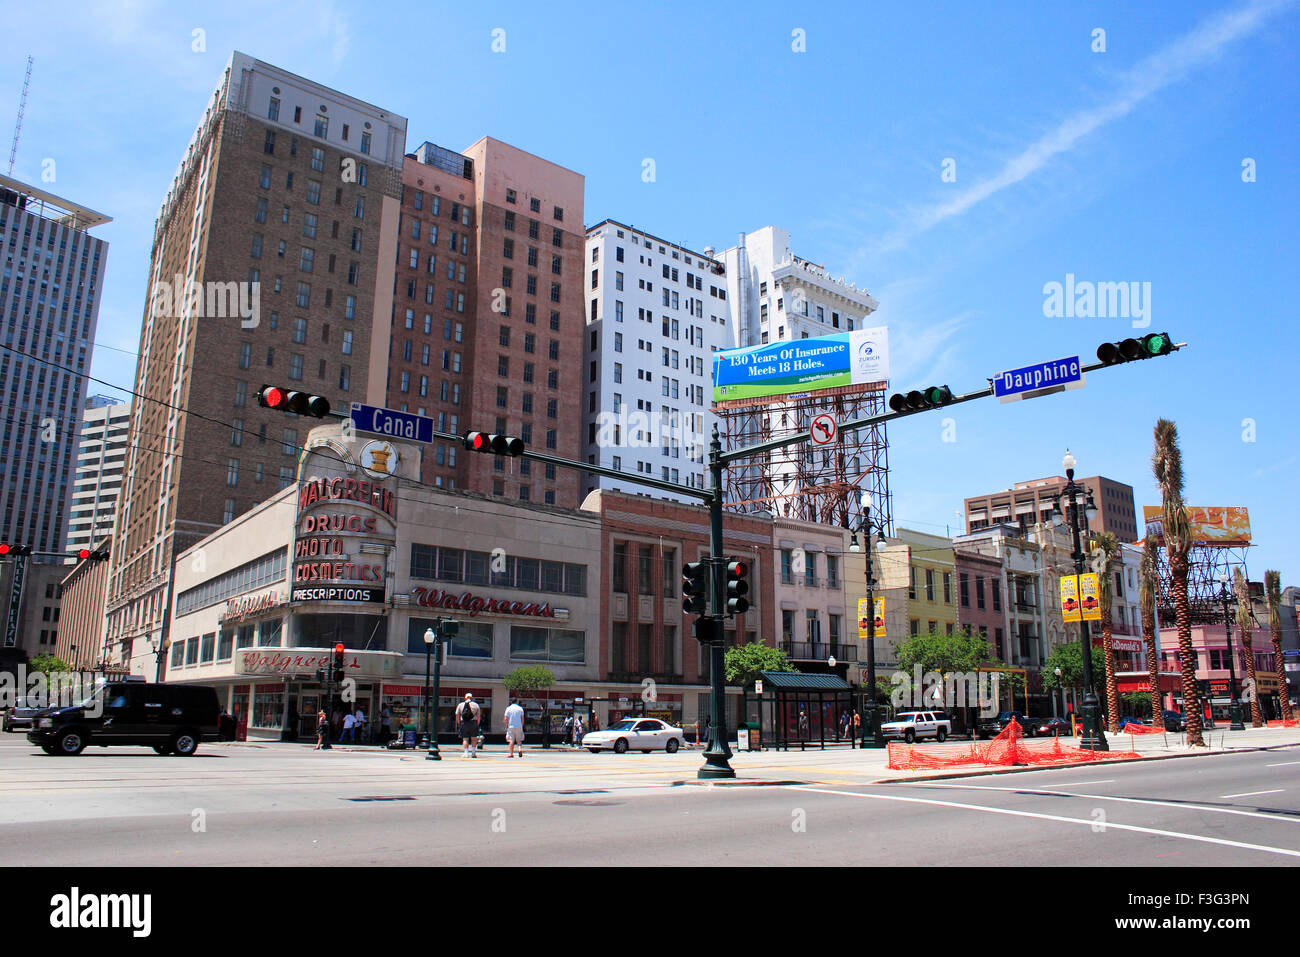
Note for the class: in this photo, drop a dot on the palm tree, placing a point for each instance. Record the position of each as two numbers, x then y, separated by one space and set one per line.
1273 592
1108 545
1245 625
1167 464
1147 588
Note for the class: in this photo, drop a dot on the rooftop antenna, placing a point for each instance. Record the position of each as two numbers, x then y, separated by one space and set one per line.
18 126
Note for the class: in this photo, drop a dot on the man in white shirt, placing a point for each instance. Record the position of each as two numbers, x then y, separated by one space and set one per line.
349 728
515 728
360 716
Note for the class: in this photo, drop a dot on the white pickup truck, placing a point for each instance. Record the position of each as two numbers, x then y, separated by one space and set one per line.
910 725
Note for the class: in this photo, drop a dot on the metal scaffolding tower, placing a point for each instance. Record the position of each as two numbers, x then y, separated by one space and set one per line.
813 483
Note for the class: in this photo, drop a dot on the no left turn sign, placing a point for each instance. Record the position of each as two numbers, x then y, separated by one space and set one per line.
824 429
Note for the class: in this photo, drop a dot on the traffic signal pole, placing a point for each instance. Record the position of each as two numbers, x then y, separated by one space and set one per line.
718 756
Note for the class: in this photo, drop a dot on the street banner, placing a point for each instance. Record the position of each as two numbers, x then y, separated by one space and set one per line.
1088 597
862 618
1069 598
801 365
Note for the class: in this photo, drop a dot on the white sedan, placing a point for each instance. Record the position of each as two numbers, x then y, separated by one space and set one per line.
640 734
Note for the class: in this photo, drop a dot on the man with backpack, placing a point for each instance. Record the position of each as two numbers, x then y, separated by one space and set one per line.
467 713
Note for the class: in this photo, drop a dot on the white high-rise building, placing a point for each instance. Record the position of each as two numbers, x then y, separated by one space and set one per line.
101 453
777 296
656 312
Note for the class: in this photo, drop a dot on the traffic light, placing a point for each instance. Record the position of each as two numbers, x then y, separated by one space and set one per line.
706 631
493 444
448 628
338 661
695 587
285 400
916 400
1128 350
737 587
14 551
92 555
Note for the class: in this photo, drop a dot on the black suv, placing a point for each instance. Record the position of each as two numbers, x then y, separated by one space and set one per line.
992 727
173 719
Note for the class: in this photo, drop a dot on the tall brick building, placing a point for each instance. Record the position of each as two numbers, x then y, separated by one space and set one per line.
488 313
272 263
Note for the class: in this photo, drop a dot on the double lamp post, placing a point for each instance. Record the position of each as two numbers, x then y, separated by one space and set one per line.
871 737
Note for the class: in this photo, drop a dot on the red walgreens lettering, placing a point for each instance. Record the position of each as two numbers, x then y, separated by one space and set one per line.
474 605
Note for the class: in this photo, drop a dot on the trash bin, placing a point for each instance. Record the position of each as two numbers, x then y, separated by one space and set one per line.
755 735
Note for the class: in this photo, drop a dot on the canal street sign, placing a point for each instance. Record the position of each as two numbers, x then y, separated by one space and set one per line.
390 422
1043 378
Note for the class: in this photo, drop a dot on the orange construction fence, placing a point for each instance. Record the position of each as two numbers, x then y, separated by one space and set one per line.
1008 749
1293 723
1132 728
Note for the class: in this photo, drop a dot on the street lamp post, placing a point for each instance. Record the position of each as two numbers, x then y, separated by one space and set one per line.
446 628
1079 509
1059 691
871 737
1235 722
429 639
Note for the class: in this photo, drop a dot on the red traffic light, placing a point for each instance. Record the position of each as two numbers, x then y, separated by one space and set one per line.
495 444
83 553
299 403
476 441
737 569
339 649
15 550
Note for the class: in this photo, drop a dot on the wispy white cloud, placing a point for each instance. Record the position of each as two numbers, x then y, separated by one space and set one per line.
1162 68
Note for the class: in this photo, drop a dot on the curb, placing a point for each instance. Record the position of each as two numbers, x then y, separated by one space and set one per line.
1089 764
725 783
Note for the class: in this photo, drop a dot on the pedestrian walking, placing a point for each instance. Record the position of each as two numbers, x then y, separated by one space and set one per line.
578 731
360 724
515 728
322 729
568 730
467 713
844 725
803 726
349 728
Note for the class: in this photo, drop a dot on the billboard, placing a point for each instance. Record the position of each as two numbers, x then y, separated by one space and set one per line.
802 365
1211 524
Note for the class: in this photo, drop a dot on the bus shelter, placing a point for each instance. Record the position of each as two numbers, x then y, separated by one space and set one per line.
801 710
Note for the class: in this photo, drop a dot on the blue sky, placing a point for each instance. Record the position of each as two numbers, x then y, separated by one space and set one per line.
1122 165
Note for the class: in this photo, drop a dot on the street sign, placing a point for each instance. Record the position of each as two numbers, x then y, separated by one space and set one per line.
1043 378
390 422
823 430
758 687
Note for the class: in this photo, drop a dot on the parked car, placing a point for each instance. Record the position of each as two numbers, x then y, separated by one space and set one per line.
637 734
910 725
1126 721
1054 727
992 727
20 715
170 718
1174 721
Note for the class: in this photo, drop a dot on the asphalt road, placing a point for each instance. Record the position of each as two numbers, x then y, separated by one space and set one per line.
290 806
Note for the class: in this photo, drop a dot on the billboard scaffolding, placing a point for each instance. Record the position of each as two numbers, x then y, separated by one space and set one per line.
806 481
1220 538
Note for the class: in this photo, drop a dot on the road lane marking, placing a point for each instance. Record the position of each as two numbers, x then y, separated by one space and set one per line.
1184 805
1090 822
1246 794
1284 764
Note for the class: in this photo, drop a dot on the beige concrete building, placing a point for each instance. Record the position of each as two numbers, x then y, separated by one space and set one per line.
814 619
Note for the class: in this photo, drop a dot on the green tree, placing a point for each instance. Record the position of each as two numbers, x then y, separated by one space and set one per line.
48 664
933 651
528 678
745 663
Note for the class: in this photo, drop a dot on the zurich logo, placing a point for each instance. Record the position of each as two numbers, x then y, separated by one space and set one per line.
867 350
